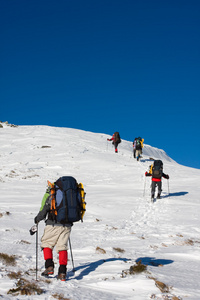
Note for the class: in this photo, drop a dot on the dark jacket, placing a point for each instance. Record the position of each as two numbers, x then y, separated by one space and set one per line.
157 179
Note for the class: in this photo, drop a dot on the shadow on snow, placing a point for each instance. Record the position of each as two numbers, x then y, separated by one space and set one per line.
175 194
151 261
91 267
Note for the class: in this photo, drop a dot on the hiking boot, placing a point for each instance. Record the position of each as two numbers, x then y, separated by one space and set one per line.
61 276
48 271
158 196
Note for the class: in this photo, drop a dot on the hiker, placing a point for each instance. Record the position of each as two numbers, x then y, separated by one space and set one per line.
137 147
134 148
156 171
58 225
115 140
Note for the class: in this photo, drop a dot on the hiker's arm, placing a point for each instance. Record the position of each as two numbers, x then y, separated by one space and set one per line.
148 174
165 175
44 209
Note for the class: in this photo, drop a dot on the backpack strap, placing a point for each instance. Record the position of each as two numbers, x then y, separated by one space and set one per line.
83 203
53 197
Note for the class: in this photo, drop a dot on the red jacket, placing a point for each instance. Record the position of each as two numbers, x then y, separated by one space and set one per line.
157 179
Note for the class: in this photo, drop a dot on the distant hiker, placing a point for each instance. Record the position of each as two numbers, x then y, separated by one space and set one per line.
62 204
156 171
137 147
115 140
134 148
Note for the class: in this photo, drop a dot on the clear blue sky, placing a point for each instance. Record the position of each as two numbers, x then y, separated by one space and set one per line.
104 66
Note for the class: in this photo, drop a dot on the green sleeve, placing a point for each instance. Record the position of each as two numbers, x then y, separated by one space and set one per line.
46 195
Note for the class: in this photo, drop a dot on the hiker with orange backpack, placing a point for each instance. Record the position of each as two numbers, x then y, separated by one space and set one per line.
115 140
62 205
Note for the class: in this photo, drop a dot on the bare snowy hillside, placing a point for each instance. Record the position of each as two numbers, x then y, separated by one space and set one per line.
121 228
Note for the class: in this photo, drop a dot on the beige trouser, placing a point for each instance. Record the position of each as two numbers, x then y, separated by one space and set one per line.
138 152
56 236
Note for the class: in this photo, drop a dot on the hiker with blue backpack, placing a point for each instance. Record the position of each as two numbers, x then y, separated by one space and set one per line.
62 204
156 172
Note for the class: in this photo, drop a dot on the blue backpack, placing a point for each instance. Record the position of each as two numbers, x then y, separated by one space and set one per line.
70 202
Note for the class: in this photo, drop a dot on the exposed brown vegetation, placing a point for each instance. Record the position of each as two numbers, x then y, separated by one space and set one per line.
14 275
162 286
7 213
119 250
60 297
100 250
8 259
25 287
136 269
24 242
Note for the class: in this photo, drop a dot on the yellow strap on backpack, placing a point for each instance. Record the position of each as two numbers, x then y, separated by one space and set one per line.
82 194
53 197
141 142
150 169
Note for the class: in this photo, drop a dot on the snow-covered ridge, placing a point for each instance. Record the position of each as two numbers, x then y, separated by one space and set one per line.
85 139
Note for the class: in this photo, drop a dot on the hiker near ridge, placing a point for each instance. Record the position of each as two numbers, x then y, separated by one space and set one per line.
64 193
137 147
115 140
156 171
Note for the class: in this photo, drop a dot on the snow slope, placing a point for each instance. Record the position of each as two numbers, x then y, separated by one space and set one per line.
121 225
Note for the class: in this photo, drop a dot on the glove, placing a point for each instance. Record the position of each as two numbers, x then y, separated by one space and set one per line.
167 177
33 230
146 173
108 139
35 220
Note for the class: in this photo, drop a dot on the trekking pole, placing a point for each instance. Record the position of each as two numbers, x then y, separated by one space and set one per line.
168 187
36 250
71 256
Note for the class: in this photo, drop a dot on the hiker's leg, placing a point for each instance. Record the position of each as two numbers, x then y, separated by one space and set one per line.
116 144
61 248
153 187
159 187
64 234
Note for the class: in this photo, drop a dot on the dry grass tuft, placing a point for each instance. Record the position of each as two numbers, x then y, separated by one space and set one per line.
24 242
25 287
136 269
14 275
60 297
162 286
189 242
119 250
100 250
8 259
